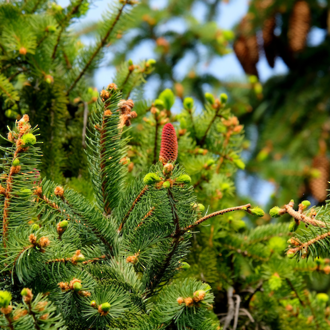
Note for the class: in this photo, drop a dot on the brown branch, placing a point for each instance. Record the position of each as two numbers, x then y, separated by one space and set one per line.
94 260
35 7
6 205
231 209
94 230
301 217
72 12
311 242
10 322
102 43
145 217
209 127
103 150
295 291
21 252
174 245
244 253
143 191
222 158
33 316
156 140
126 79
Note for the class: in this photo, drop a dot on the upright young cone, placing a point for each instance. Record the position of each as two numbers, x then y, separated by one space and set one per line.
169 145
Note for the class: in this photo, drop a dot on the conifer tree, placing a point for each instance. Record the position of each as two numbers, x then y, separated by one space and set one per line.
112 264
45 72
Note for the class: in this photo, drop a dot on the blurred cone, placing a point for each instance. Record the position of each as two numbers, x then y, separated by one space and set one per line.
269 40
299 26
246 47
319 186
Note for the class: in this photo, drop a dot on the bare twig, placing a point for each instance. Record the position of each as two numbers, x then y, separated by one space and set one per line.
231 308
102 43
85 124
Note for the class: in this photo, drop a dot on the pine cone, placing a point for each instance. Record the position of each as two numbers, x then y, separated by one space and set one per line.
299 25
246 47
269 40
319 185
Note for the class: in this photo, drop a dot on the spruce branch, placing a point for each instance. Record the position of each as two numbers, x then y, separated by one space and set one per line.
93 228
245 207
295 291
156 139
63 25
9 186
307 244
298 216
99 47
218 108
174 245
143 191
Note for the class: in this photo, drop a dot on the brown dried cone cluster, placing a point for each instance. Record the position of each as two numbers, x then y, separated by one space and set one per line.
127 114
246 47
319 185
299 26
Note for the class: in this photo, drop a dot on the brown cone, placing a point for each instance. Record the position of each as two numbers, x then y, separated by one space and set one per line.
246 47
319 186
299 25
269 40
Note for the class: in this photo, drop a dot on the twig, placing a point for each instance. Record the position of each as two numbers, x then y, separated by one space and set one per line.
301 217
72 12
311 242
85 125
174 244
231 308
198 222
102 43
258 288
209 127
293 289
238 302
156 140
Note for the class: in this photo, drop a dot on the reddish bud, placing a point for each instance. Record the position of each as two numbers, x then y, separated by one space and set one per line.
169 145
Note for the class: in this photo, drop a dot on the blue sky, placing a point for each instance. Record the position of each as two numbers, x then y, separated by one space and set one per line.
226 67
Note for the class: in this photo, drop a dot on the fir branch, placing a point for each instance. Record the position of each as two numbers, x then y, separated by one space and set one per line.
143 191
231 209
102 43
62 23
